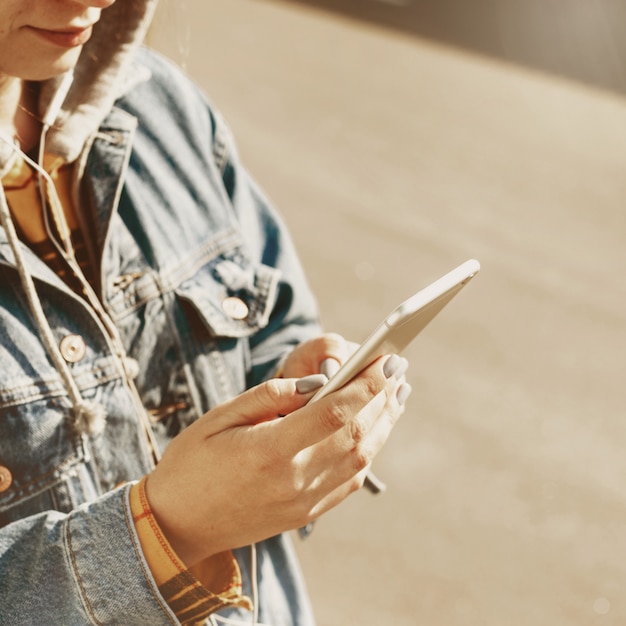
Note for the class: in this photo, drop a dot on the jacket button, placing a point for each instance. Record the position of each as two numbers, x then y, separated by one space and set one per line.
72 348
6 478
235 308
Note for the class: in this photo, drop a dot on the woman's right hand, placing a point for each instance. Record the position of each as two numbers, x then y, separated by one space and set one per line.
243 473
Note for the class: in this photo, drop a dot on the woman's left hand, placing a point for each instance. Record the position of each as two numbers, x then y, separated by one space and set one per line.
321 355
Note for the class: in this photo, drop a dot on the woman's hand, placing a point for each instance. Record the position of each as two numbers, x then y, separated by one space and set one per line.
323 354
242 473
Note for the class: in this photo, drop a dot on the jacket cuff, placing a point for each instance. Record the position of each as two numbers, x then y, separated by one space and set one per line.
110 570
192 593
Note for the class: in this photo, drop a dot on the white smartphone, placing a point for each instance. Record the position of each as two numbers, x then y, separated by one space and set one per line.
403 324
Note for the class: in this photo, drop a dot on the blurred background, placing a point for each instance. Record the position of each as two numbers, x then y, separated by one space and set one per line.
398 139
579 39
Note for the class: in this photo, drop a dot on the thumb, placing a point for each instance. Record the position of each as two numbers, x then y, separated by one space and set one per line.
264 402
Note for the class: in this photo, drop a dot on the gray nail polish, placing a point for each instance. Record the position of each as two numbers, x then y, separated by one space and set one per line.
402 368
391 365
329 367
403 393
310 383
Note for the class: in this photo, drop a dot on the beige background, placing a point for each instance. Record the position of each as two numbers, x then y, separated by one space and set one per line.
393 159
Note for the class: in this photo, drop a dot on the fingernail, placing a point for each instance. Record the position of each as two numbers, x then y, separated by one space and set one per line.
403 393
329 367
310 383
391 365
402 368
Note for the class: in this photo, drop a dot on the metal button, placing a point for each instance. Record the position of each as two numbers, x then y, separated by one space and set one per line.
72 348
115 137
6 478
235 308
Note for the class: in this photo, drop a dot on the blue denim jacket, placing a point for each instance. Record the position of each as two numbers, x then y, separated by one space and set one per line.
206 294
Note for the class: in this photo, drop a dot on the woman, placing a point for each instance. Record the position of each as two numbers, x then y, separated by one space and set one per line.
146 284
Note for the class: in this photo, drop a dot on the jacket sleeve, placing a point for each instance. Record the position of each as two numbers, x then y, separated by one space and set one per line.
94 558
294 317
199 147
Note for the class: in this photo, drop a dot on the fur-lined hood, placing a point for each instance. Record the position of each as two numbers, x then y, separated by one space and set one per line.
101 75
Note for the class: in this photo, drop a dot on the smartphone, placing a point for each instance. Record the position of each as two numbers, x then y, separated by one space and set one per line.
403 324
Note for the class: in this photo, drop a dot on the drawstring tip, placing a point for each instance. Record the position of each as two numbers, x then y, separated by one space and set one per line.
89 418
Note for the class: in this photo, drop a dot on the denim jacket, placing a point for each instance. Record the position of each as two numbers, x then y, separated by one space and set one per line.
203 294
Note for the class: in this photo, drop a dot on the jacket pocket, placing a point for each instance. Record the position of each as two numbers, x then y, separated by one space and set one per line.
233 298
41 461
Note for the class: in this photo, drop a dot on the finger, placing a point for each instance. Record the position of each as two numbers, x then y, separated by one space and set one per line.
329 367
338 494
330 352
360 440
403 393
321 419
267 401
338 351
389 402
354 446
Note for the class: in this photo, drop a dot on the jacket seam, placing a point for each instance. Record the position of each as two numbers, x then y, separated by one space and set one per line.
227 241
170 280
83 592
51 392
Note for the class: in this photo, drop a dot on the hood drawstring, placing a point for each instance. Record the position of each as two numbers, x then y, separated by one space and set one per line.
72 108
88 417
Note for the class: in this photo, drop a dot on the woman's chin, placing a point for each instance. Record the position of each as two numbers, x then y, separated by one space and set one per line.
44 70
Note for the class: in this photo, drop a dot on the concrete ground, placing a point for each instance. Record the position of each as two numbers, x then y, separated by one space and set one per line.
393 159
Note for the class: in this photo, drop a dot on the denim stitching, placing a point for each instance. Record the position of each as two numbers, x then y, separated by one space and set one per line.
83 593
130 525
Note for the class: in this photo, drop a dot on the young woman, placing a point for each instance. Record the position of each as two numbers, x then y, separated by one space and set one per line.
152 305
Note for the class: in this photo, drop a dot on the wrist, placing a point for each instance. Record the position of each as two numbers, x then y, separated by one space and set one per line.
173 529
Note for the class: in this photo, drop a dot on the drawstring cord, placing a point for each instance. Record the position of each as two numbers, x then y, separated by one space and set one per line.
87 416
216 620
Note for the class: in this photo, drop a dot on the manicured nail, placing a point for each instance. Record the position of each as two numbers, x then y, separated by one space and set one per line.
329 367
391 365
403 393
402 368
310 383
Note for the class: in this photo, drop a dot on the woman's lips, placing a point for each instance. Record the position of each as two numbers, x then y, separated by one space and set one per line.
65 38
